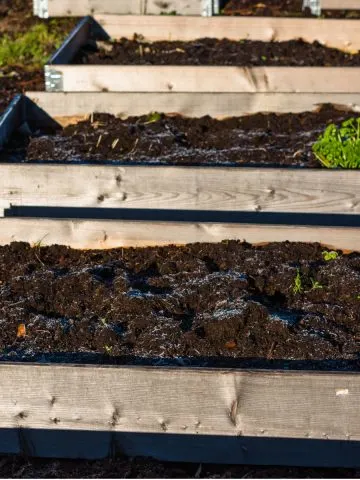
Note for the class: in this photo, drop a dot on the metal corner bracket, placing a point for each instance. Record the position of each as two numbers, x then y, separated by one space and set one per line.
314 5
41 8
53 79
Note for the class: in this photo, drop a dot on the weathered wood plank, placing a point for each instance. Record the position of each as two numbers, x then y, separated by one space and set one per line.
61 8
59 104
95 234
331 32
150 78
181 401
340 4
181 188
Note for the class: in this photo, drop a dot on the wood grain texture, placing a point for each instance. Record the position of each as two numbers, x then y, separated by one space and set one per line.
340 4
181 188
61 8
150 78
190 104
331 32
181 401
104 234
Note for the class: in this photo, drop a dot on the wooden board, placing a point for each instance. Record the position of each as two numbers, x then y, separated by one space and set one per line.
101 234
177 404
61 8
340 4
144 78
331 32
59 104
181 188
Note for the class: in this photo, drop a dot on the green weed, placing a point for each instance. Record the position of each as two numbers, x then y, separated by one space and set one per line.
297 287
31 48
315 285
153 117
108 349
339 146
330 255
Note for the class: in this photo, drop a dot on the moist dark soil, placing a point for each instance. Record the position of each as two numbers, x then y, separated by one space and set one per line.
212 51
259 139
280 8
227 304
17 80
17 467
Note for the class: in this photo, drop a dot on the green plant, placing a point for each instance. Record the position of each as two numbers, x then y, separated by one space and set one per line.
339 146
32 47
315 285
108 349
330 255
152 118
297 287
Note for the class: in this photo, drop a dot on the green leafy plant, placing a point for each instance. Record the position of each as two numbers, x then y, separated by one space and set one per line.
31 48
330 255
339 146
315 285
297 287
108 349
152 118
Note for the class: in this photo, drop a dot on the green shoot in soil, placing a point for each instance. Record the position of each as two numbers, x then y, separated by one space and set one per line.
315 285
30 48
339 146
330 255
297 287
152 118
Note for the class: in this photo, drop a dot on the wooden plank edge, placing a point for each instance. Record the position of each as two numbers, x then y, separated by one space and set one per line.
181 401
335 33
106 234
70 104
215 79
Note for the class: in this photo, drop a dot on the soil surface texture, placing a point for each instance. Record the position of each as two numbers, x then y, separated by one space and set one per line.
227 304
212 51
280 8
259 139
17 467
18 80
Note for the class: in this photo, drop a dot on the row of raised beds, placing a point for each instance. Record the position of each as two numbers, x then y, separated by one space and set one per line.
210 311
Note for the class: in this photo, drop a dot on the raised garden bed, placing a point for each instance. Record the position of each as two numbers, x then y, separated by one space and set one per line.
57 8
180 72
179 412
293 8
125 179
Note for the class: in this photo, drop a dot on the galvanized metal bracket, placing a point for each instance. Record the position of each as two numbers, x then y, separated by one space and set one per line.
210 7
314 5
41 8
53 79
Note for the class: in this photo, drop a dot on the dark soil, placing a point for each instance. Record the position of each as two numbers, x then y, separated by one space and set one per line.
226 304
212 51
17 467
259 139
18 80
280 8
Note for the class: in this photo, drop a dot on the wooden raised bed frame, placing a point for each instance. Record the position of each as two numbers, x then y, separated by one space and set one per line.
206 188
63 8
60 75
180 414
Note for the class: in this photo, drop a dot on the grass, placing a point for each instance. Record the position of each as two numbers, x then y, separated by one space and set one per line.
31 48
339 147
